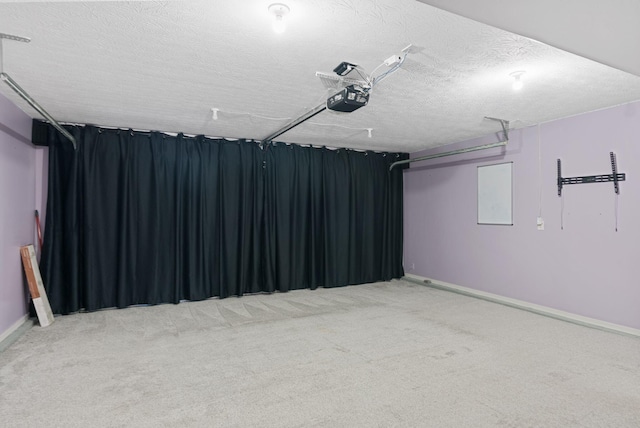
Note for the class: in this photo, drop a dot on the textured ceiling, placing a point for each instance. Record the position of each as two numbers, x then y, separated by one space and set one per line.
163 65
604 31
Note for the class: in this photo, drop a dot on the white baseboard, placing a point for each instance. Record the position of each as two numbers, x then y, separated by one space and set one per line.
14 327
520 304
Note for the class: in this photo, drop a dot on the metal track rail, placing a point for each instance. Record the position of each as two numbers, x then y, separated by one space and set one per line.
23 94
505 130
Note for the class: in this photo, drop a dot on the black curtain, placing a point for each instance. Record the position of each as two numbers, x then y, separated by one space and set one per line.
148 218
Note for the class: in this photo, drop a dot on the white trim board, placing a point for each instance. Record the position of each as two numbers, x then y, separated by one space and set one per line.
520 304
15 330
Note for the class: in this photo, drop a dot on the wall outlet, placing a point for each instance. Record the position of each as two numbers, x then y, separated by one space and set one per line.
540 223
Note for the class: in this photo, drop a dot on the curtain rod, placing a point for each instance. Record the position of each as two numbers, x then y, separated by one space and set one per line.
505 130
25 96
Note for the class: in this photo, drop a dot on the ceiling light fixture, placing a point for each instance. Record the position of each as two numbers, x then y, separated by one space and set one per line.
279 11
517 82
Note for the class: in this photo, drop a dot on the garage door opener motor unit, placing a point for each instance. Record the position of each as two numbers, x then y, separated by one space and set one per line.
348 99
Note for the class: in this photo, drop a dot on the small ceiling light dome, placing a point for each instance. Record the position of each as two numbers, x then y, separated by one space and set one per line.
517 82
279 11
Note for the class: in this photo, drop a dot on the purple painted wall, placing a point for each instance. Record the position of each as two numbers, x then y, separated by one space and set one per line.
587 269
17 197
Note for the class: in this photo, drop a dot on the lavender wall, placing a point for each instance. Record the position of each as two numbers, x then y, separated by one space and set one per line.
587 269
17 197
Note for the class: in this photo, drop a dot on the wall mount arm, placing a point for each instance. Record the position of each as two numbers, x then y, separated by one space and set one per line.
615 176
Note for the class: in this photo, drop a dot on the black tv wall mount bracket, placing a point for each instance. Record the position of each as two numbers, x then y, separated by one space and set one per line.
615 176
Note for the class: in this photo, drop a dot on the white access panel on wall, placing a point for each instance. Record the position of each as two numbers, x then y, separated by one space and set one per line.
495 194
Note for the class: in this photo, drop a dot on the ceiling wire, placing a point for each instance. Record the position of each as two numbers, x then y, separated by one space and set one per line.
369 130
217 111
393 69
377 68
366 78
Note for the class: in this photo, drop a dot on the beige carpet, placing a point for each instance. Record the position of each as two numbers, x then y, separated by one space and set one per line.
393 354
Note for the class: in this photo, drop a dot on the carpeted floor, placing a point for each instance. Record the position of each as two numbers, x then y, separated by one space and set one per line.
392 354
